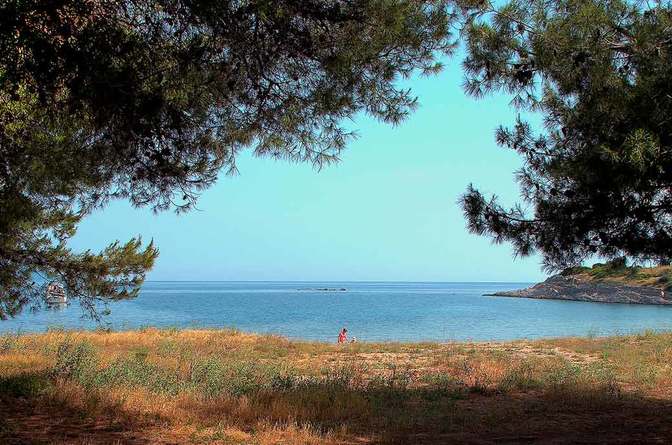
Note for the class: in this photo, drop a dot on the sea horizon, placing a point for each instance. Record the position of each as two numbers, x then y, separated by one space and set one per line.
371 310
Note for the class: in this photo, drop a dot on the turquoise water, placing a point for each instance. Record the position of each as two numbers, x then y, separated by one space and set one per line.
370 311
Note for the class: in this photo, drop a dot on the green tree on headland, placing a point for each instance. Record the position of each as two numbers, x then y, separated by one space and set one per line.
149 100
598 178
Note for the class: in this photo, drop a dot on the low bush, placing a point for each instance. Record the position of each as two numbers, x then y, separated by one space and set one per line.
24 385
135 371
9 343
76 361
520 377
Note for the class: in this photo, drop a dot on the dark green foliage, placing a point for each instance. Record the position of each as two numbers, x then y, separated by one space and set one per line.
137 371
598 178
150 100
23 385
77 361
616 267
9 342
574 270
666 281
443 386
213 377
520 377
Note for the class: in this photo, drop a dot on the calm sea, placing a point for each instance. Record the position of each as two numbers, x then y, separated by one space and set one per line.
370 311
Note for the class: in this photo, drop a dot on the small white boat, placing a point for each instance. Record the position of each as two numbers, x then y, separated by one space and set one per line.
56 294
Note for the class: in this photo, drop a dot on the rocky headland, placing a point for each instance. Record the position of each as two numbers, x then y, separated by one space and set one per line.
581 288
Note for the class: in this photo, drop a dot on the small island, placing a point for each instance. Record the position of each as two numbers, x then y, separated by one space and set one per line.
612 282
323 289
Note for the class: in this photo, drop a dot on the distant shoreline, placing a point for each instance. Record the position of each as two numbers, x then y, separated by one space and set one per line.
372 312
580 288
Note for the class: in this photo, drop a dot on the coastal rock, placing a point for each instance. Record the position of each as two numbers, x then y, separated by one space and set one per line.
324 289
559 287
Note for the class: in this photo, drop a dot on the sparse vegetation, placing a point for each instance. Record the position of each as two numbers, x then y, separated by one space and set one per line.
617 271
231 387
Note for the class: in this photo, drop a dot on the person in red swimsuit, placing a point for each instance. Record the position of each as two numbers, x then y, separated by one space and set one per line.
343 336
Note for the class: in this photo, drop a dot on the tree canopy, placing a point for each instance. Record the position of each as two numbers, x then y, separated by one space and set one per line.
149 100
597 178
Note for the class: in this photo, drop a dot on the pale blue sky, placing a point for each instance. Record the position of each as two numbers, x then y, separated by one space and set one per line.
387 212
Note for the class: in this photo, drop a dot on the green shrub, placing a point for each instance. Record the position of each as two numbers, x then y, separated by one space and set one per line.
102 329
285 381
340 377
246 377
666 281
212 377
23 385
645 375
519 378
135 371
140 353
208 376
442 385
574 270
602 373
76 361
617 266
167 347
617 263
565 375
9 342
79 362
56 328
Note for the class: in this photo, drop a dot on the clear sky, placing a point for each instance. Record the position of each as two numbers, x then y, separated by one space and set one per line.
387 212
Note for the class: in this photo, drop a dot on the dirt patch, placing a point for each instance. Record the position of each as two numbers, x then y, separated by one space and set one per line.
28 422
525 350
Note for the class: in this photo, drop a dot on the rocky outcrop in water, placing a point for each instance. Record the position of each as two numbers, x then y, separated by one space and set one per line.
324 289
559 287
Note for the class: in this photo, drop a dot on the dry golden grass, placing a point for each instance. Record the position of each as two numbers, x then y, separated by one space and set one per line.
200 386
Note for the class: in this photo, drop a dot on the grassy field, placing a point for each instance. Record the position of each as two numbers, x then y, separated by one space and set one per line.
189 386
